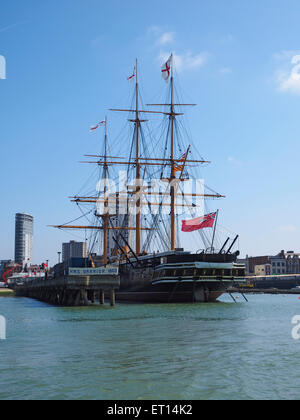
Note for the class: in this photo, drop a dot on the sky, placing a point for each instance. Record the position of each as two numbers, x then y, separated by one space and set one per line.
67 62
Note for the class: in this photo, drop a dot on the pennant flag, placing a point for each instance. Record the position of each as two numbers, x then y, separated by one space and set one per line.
182 159
206 221
179 168
97 126
166 69
132 76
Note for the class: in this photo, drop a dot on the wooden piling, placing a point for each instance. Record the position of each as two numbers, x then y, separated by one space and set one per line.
101 297
112 297
84 297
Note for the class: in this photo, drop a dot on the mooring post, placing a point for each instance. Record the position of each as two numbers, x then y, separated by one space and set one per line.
76 301
101 297
84 297
112 297
93 297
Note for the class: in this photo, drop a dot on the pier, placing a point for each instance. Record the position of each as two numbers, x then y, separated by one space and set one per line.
80 287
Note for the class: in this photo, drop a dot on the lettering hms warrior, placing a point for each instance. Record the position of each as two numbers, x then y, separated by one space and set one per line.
157 201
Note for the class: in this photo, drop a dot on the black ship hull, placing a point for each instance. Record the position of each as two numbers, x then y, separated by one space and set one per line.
186 295
178 278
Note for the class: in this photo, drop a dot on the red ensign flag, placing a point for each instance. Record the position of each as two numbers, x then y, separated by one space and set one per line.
206 221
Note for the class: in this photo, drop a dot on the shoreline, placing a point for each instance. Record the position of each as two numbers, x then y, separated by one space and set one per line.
6 293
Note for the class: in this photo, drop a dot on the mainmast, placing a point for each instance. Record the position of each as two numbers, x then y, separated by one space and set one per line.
138 168
106 210
137 121
173 177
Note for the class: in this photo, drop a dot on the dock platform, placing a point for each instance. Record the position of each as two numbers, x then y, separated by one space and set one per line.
80 287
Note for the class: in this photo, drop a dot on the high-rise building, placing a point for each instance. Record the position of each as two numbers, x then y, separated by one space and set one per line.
73 249
23 238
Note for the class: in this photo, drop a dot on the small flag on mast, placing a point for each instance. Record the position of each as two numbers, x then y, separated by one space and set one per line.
166 69
178 168
133 75
182 159
95 127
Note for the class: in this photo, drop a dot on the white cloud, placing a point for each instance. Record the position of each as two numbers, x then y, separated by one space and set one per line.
13 25
166 38
225 70
226 39
187 61
6 28
288 228
154 30
285 55
288 76
235 162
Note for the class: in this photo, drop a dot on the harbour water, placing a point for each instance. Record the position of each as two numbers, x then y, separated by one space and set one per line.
138 352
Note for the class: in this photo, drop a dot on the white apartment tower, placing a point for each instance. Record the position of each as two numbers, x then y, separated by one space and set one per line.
23 238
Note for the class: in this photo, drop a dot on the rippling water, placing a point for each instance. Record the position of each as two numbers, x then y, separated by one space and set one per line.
202 351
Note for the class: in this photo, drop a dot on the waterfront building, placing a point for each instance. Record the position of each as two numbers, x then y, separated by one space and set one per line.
263 270
252 262
23 238
8 266
278 264
282 263
292 262
4 264
73 249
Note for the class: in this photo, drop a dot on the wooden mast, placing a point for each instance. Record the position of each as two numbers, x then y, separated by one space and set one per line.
138 168
106 214
172 117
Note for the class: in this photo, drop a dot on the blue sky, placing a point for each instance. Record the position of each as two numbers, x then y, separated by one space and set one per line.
67 63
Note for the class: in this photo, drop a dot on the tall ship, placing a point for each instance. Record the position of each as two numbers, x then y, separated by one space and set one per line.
150 215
